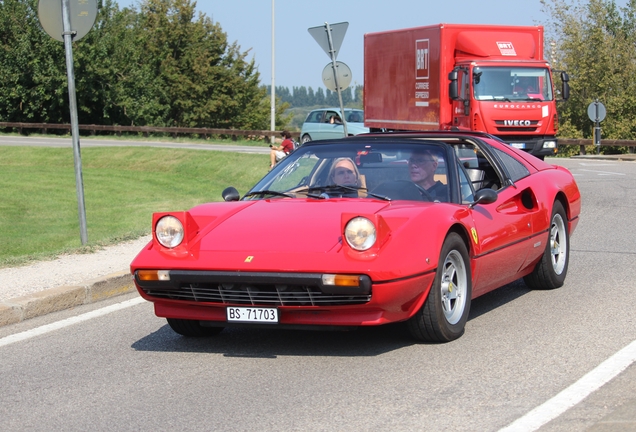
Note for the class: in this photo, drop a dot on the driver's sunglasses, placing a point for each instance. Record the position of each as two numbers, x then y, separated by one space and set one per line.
419 161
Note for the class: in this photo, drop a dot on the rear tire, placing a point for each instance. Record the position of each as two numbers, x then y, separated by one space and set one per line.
443 316
305 138
551 270
192 328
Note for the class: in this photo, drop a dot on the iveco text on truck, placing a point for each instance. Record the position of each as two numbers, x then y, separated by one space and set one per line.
485 78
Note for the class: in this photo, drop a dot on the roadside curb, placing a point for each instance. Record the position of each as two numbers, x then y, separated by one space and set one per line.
65 297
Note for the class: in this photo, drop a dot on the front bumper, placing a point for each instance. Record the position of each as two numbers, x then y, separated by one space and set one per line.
301 298
537 146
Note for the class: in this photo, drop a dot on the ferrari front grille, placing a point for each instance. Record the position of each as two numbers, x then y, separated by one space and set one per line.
255 294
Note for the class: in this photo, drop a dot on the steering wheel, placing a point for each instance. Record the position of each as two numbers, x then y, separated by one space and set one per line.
425 194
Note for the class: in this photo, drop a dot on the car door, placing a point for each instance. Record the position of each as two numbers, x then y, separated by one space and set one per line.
331 130
502 235
502 232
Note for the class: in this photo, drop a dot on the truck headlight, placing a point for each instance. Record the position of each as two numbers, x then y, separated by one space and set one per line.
549 144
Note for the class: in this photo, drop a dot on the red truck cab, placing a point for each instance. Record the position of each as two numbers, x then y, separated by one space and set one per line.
470 77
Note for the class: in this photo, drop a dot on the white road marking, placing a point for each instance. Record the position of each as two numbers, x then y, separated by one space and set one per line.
603 172
574 394
532 421
7 340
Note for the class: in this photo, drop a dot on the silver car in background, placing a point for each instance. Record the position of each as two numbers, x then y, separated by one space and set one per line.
319 125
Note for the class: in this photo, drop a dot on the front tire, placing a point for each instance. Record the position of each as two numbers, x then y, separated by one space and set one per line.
192 328
443 316
551 271
306 138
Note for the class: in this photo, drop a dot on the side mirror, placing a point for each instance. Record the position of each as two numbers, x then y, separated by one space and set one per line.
230 194
484 196
565 89
453 89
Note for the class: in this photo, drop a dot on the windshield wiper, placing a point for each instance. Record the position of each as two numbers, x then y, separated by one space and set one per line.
335 187
268 192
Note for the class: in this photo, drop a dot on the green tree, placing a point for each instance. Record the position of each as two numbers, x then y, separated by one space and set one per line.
301 97
159 65
202 79
319 97
113 82
347 97
311 97
595 43
358 94
283 93
32 67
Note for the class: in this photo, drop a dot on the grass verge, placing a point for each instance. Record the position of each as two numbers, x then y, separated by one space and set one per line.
123 186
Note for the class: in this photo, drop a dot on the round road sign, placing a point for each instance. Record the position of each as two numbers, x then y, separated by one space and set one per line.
344 76
596 111
83 14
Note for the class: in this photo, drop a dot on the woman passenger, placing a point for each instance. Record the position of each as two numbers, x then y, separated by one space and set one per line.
344 173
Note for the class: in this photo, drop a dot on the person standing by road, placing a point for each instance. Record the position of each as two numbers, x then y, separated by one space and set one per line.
279 152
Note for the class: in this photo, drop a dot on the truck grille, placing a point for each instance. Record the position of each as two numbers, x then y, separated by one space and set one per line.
505 126
256 294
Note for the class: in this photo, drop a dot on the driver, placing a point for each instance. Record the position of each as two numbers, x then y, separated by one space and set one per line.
422 166
344 173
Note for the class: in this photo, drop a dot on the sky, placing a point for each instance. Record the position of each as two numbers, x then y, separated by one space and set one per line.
299 60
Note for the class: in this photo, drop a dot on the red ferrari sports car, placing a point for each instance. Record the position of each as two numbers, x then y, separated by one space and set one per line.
364 231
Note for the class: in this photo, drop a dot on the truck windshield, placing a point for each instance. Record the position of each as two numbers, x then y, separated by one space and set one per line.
512 84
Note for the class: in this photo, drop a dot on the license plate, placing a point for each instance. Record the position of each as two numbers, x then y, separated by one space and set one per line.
252 314
518 145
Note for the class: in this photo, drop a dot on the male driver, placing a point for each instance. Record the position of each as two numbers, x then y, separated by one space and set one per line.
422 166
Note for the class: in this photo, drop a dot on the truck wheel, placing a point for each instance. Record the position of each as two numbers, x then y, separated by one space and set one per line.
192 328
305 138
443 316
551 270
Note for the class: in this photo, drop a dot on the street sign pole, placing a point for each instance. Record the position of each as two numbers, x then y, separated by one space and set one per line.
68 21
596 112
79 183
335 78
330 43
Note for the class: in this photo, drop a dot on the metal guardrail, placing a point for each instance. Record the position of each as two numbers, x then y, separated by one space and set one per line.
259 134
582 143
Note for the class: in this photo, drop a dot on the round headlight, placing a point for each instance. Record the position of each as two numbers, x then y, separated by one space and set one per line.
360 233
169 231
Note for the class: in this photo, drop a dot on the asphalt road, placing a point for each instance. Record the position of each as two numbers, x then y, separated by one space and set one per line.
126 370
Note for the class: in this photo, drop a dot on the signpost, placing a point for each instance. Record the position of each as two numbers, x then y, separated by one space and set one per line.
68 20
596 112
330 38
343 75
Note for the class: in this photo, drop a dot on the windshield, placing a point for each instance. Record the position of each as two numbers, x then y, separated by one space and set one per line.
512 84
324 116
354 116
405 169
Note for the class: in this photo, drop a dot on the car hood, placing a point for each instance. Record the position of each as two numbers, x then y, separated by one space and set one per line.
304 235
279 224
